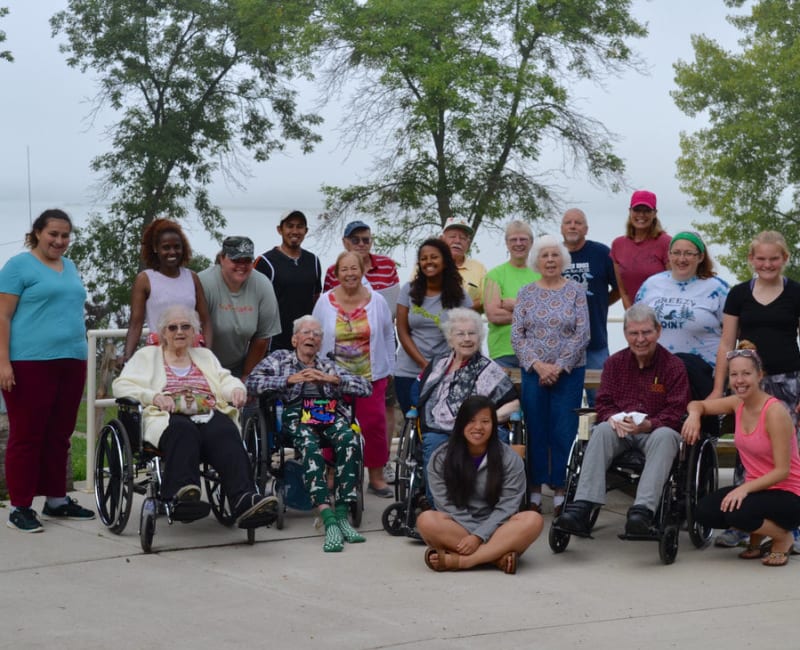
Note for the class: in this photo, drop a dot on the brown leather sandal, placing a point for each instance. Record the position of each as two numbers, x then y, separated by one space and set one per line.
507 562
776 558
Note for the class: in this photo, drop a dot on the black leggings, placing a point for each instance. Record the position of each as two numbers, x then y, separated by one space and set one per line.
186 444
778 506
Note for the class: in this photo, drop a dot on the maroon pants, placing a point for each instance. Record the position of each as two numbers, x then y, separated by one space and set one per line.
42 409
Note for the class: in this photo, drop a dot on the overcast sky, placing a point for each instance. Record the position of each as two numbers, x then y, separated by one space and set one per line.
45 107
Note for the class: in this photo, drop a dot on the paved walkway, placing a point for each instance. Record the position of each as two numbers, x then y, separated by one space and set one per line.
79 586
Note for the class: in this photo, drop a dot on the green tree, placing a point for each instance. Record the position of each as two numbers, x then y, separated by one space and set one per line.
469 95
193 92
4 54
744 168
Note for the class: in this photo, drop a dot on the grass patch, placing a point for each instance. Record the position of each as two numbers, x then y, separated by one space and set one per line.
78 458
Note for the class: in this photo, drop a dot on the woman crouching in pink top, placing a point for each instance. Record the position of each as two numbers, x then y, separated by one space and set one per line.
767 504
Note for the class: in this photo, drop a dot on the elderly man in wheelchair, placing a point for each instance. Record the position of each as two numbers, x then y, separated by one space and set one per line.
312 388
644 390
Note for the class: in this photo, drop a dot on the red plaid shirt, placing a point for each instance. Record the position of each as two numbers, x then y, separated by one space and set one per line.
661 390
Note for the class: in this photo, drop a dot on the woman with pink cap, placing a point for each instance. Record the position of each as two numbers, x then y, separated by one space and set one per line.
643 250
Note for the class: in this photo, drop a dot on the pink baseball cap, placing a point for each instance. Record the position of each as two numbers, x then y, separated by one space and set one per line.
643 197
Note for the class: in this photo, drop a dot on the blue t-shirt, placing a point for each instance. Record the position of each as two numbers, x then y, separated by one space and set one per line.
48 322
593 268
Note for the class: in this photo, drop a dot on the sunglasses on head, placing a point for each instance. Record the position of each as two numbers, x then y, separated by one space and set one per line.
746 353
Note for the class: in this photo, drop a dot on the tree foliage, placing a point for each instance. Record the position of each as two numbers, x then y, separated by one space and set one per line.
4 54
192 91
744 168
469 96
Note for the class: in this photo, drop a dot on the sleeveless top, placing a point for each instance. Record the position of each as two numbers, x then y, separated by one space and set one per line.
755 450
165 292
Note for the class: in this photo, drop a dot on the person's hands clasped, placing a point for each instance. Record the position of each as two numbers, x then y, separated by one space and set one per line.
548 373
733 500
468 544
164 402
312 374
627 426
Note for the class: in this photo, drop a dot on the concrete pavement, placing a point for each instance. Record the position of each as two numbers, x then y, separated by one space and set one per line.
78 586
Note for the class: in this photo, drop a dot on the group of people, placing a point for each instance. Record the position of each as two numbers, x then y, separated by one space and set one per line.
248 325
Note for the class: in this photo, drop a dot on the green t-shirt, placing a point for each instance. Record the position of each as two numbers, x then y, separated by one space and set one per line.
510 279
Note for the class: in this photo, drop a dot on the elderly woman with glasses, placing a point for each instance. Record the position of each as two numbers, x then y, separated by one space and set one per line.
460 373
688 301
767 503
190 408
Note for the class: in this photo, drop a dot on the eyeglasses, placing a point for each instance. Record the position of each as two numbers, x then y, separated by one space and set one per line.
689 254
459 334
355 240
314 333
746 353
183 327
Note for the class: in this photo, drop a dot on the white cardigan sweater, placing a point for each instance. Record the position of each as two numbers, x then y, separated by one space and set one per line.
143 377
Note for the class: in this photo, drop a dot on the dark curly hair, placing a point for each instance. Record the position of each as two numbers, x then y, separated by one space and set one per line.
151 237
31 238
452 284
457 465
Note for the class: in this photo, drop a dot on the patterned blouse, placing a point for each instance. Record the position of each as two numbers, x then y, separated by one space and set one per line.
551 325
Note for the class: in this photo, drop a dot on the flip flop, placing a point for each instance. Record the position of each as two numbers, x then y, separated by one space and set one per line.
776 558
752 553
507 563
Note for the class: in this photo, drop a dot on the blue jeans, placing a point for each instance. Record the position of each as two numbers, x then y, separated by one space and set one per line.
507 361
402 388
552 423
594 360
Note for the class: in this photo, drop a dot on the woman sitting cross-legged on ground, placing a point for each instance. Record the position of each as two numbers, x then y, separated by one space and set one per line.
478 485
767 504
190 408
311 388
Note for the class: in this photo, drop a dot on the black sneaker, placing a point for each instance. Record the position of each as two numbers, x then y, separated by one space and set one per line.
254 510
69 510
640 521
25 521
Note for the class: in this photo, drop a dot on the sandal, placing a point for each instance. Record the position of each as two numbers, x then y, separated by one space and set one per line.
507 562
445 561
776 558
752 552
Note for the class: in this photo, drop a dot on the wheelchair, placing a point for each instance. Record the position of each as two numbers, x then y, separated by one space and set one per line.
126 464
400 517
266 444
693 475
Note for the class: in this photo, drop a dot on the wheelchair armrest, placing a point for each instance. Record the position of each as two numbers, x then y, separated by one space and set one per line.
127 401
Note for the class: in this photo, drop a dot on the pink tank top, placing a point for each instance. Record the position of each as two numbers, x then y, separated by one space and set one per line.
755 450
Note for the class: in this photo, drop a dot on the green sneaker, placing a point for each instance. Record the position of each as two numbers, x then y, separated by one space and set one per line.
69 510
25 521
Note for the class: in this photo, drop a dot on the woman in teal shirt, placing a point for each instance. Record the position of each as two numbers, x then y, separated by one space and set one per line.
42 370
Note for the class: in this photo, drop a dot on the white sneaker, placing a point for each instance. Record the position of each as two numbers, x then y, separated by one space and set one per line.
388 473
732 538
796 543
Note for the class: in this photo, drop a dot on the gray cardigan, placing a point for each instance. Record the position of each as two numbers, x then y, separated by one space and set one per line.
478 518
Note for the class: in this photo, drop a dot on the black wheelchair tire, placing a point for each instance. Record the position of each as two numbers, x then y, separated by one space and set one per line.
393 519
147 524
216 497
113 476
699 483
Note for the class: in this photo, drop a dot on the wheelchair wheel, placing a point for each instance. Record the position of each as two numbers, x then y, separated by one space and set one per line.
393 519
113 476
216 496
255 442
147 524
404 450
355 509
668 544
701 480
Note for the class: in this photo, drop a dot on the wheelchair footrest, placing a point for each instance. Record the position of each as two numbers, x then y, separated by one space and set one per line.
571 532
186 511
259 520
652 536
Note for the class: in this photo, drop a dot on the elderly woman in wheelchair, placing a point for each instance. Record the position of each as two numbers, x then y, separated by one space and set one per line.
189 404
311 389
